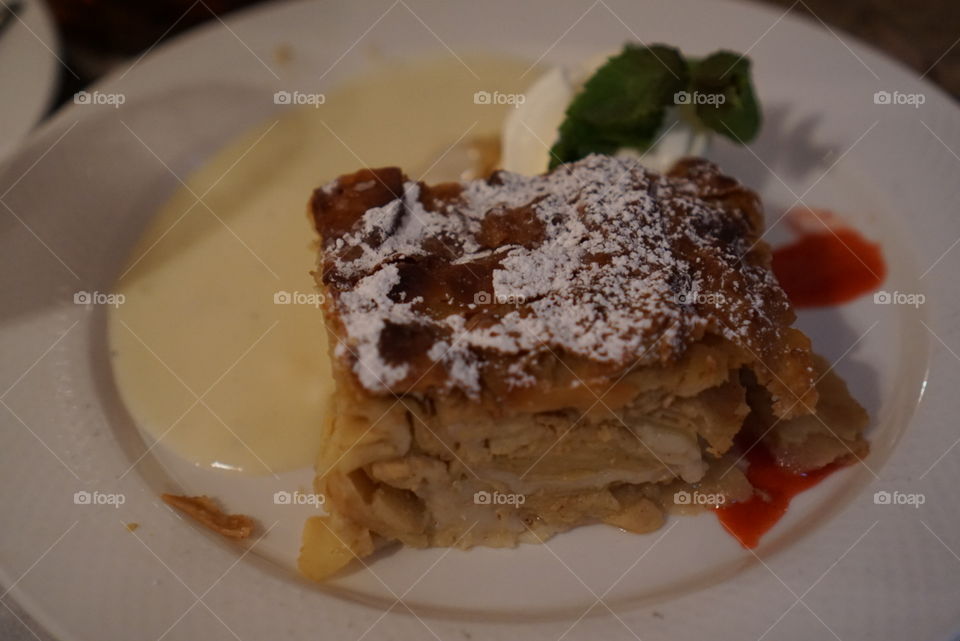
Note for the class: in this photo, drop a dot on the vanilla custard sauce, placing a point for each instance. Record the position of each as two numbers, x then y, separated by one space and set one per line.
219 350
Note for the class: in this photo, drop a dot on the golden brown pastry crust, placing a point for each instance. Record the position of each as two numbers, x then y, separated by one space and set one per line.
541 293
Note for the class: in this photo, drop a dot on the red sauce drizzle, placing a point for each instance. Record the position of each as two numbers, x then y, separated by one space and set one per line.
829 264
774 486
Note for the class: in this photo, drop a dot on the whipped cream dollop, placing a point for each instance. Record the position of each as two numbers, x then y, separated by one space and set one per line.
532 128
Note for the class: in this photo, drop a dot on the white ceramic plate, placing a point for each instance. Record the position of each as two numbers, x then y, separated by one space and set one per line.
28 71
840 565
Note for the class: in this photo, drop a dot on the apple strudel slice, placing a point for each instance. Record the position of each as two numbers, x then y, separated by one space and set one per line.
517 356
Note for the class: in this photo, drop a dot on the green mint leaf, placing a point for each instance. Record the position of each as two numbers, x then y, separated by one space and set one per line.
622 104
727 74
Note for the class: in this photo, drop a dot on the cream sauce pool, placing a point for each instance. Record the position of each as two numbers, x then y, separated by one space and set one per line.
219 350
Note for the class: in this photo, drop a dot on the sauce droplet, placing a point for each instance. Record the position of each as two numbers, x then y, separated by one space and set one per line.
774 487
829 265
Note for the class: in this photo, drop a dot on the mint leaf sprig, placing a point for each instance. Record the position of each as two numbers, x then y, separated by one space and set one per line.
624 103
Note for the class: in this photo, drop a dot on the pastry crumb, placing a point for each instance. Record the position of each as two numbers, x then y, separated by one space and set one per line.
283 53
205 511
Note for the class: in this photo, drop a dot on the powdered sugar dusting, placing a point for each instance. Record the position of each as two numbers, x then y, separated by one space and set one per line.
600 260
366 324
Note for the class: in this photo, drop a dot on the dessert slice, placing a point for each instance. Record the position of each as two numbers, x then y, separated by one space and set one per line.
518 356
